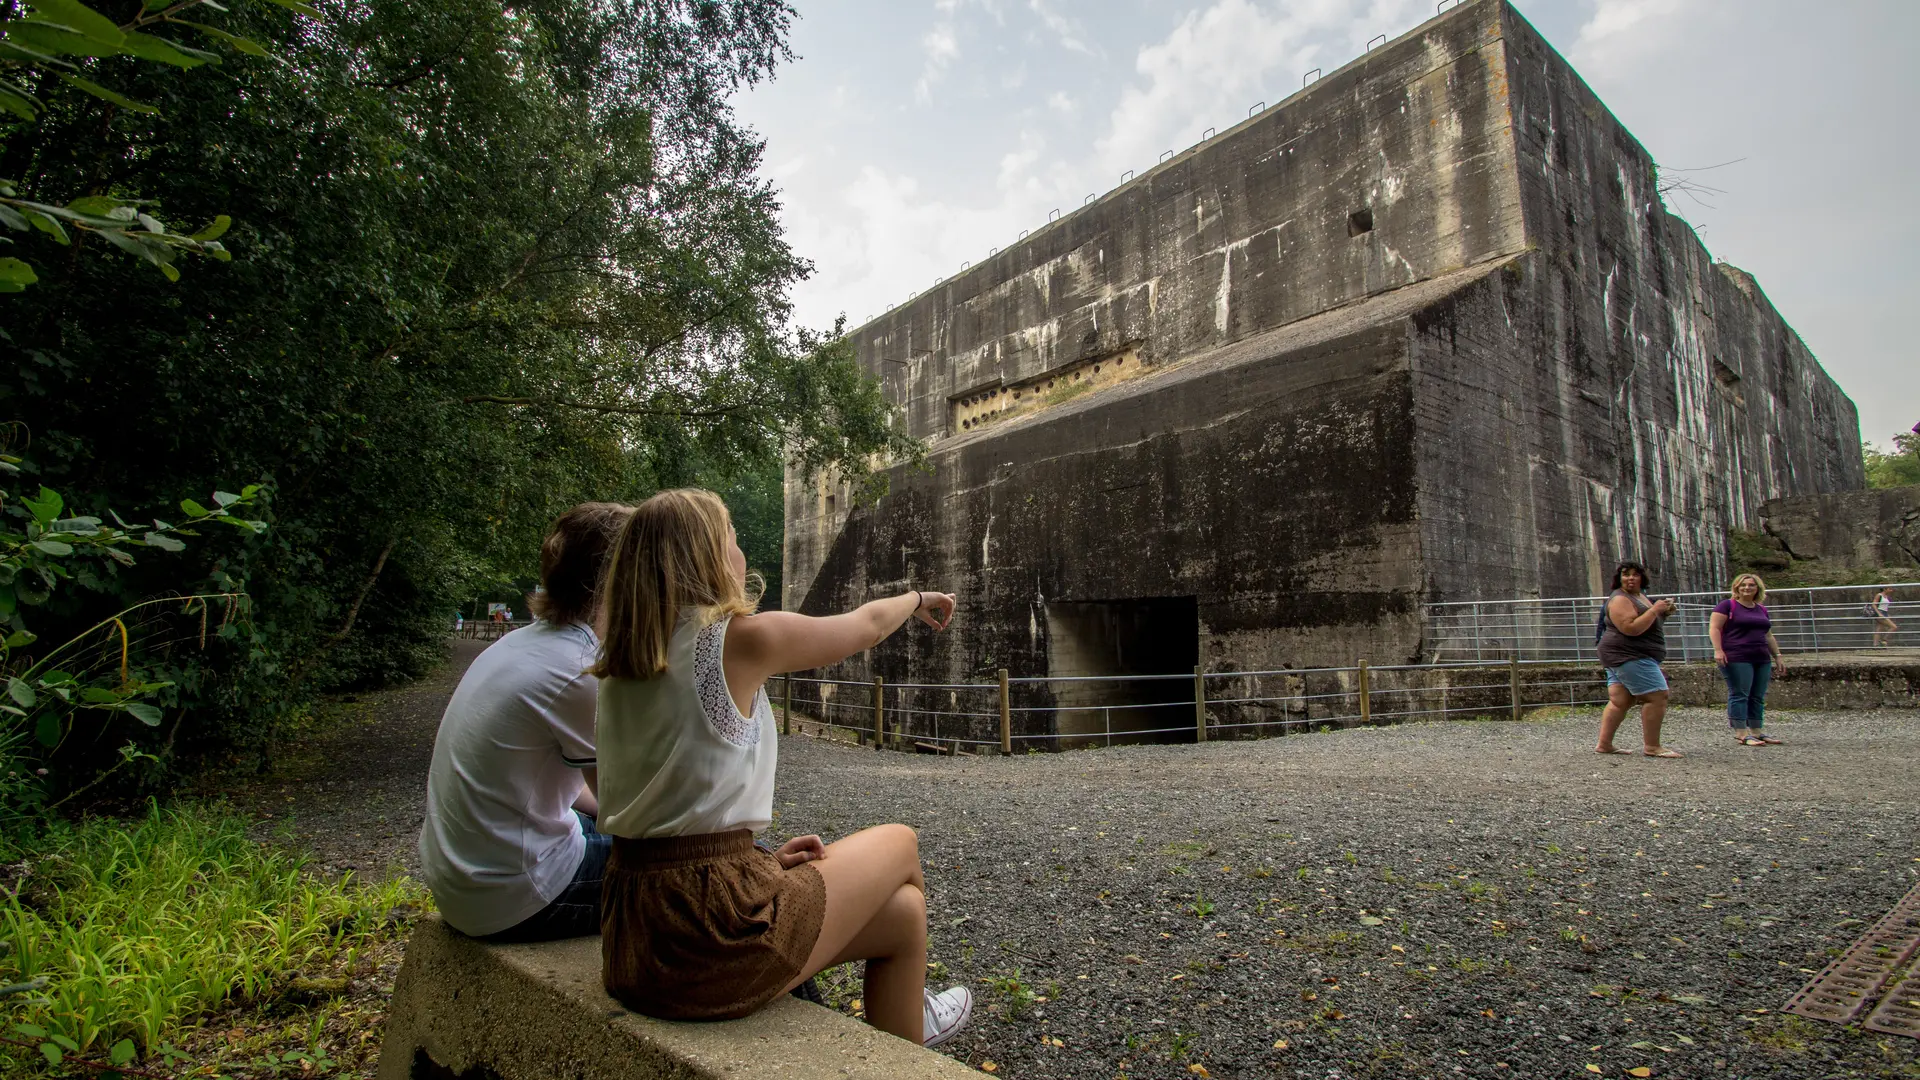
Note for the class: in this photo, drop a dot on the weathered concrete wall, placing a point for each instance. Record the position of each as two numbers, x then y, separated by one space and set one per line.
1862 530
1422 332
1241 234
1270 480
1618 393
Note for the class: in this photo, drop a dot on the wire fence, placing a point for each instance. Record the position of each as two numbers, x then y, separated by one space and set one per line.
1832 619
487 629
1013 715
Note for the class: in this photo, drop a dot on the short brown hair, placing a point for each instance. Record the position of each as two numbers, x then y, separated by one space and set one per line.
671 556
571 559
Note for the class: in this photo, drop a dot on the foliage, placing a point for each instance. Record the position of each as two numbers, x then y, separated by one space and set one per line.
52 43
138 930
487 263
46 689
1894 468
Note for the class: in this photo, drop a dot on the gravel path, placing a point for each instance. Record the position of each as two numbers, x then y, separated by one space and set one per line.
1476 899
353 795
1463 899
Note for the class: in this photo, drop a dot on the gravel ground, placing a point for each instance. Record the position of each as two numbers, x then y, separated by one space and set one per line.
352 795
1476 899
1479 899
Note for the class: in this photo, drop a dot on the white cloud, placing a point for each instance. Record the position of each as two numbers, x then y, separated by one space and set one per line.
1217 62
1621 31
1059 101
1063 29
942 47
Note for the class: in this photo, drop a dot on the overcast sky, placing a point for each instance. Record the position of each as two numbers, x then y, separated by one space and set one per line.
914 135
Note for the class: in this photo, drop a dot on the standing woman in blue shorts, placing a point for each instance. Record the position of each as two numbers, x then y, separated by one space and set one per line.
1632 644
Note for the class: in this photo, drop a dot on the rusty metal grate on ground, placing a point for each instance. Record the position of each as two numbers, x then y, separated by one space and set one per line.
1878 968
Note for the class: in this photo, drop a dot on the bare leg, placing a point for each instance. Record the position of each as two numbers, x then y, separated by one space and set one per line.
877 912
1612 716
1653 710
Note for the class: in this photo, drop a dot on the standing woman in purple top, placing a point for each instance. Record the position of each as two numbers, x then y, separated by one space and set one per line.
1745 649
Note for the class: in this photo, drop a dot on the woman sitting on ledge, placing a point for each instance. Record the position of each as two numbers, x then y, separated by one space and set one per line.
698 924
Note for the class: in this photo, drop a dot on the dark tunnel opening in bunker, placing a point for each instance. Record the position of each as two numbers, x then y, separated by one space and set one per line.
1104 647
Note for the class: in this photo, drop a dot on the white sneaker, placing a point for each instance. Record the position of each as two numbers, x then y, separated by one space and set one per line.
947 1012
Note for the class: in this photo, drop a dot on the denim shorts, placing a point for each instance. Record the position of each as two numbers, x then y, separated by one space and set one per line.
1640 677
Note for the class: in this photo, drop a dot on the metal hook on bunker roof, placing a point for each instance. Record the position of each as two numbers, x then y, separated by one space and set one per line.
1442 5
1309 76
1377 39
1166 155
1256 107
1023 234
1086 200
1053 215
1126 176
1207 134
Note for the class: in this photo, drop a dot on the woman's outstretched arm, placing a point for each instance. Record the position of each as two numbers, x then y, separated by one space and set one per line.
774 642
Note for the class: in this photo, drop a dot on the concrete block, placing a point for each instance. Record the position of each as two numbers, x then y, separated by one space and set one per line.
462 1008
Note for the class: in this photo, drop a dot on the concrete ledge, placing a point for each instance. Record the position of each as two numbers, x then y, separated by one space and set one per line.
529 1012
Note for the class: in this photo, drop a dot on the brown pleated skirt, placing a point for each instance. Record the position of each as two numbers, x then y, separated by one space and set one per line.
705 927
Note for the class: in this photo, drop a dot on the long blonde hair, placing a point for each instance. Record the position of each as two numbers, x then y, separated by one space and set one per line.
1760 597
671 556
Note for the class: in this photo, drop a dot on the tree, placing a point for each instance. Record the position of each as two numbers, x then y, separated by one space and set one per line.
487 262
1893 468
47 43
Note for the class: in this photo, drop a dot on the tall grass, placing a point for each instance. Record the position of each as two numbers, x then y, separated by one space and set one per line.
140 926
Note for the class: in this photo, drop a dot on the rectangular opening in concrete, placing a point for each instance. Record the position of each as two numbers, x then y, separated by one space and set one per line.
1111 639
1360 221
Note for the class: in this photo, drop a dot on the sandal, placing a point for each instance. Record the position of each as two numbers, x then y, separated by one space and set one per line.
1611 750
1768 740
1751 740
1663 752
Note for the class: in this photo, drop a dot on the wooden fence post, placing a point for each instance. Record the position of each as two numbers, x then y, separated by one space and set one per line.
786 704
879 714
1513 680
1366 696
1006 716
1199 703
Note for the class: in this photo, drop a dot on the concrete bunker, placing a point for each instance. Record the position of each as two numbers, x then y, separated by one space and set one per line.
1367 353
1111 645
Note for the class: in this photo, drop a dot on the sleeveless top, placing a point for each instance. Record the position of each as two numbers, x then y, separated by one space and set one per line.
1617 648
676 756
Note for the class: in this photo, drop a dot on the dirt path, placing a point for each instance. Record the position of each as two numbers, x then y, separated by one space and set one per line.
353 795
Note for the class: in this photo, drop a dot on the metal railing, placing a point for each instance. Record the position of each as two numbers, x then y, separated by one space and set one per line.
1055 713
487 629
1830 619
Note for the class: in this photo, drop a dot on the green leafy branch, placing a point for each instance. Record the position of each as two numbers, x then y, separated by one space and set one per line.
41 44
32 554
62 28
117 221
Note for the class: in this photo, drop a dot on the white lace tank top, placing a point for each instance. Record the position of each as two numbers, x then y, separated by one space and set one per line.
676 756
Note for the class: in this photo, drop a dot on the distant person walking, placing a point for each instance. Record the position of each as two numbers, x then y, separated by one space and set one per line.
1632 645
1745 649
1883 625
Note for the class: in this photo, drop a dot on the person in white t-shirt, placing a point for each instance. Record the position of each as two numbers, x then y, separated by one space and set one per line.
509 846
